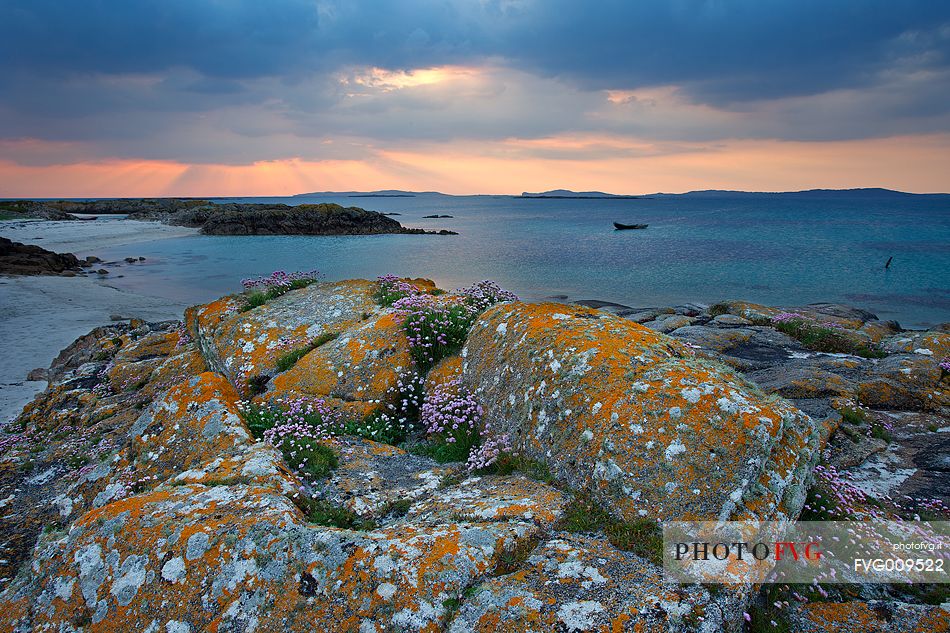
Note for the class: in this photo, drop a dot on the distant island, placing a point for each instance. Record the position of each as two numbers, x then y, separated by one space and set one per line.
567 193
865 192
382 193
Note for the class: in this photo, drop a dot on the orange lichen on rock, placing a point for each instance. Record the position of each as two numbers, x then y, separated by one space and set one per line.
579 583
628 415
445 371
360 365
242 345
494 499
869 617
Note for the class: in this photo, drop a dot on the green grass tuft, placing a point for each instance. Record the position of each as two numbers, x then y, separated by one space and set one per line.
309 456
642 537
508 464
288 360
852 415
826 339
322 512
442 452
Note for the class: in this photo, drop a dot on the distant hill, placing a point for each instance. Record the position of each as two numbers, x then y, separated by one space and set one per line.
867 192
383 193
567 193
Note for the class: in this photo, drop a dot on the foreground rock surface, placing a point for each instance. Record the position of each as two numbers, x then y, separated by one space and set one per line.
632 416
137 498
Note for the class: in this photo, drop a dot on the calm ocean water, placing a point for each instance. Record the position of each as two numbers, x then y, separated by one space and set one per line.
773 250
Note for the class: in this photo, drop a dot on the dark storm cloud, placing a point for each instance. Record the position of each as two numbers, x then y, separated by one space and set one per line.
129 71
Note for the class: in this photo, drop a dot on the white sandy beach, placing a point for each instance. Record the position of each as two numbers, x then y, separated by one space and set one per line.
39 316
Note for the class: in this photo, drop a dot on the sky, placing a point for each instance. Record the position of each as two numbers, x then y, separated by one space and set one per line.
242 98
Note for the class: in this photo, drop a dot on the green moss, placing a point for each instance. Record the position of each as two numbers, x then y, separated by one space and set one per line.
452 479
935 594
718 309
398 508
766 617
643 537
375 427
259 418
826 339
288 360
77 461
508 464
449 324
258 298
879 431
322 512
253 300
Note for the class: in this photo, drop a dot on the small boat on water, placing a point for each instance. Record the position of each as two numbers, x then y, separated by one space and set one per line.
627 227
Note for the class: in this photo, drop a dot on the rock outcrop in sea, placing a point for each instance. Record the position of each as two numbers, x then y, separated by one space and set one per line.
385 456
232 218
24 259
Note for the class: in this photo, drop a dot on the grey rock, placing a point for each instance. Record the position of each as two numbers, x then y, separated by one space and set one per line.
731 319
668 323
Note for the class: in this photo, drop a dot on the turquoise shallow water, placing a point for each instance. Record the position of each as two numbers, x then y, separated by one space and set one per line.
773 250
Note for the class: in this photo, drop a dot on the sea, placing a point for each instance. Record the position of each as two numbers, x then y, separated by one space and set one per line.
773 249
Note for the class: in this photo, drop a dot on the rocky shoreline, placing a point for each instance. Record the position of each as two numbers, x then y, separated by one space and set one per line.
279 461
227 218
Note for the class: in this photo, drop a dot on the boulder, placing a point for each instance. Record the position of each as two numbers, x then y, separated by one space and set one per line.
668 323
630 416
905 381
731 320
582 583
934 344
874 616
242 345
22 259
358 367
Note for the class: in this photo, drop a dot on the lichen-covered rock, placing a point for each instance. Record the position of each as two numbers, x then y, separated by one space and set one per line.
446 371
358 367
134 497
751 311
193 423
577 583
372 478
630 416
70 446
869 617
242 345
490 498
905 381
934 344
669 322
908 468
242 558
